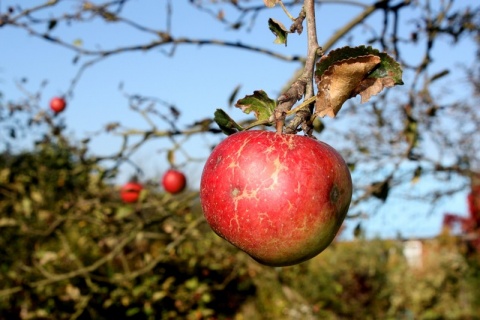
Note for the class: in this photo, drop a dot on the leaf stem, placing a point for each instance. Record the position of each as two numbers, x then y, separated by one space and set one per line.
304 106
257 123
285 10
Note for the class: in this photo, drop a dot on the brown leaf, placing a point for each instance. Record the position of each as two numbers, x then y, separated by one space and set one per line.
345 79
372 86
221 15
270 3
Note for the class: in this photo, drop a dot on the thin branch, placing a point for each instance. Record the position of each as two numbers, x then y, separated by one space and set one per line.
304 84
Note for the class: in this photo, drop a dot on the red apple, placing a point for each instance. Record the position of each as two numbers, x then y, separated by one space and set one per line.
130 192
280 198
174 181
58 104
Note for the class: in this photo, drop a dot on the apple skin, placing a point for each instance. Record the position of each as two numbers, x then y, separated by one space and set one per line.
58 104
130 192
174 181
280 198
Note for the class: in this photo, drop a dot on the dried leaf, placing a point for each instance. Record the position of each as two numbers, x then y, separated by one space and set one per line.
358 232
371 86
52 24
171 157
381 189
270 3
112 126
416 175
78 42
221 15
387 68
108 16
363 70
342 81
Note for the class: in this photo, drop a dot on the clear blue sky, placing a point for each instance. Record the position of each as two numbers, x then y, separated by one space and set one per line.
196 79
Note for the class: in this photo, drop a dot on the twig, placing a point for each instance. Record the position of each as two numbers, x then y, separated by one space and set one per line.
285 10
304 84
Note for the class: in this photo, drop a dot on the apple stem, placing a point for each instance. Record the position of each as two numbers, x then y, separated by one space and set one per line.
279 126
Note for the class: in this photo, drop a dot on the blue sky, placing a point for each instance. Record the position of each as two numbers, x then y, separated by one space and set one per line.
196 79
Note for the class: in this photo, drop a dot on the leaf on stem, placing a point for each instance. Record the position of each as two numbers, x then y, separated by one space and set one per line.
226 124
279 31
259 103
347 71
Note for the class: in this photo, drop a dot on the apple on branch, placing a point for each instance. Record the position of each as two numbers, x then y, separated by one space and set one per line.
58 104
280 198
174 181
130 191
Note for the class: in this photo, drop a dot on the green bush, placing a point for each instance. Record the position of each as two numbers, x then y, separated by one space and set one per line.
71 249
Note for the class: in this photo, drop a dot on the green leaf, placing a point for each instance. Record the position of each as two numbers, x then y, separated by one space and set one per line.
259 103
226 124
132 311
318 125
279 31
192 283
123 211
233 95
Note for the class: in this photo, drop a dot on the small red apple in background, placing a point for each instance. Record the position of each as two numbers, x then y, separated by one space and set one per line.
58 104
174 181
130 192
280 198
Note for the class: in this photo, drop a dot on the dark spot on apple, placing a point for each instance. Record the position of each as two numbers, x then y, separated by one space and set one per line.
334 194
235 192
